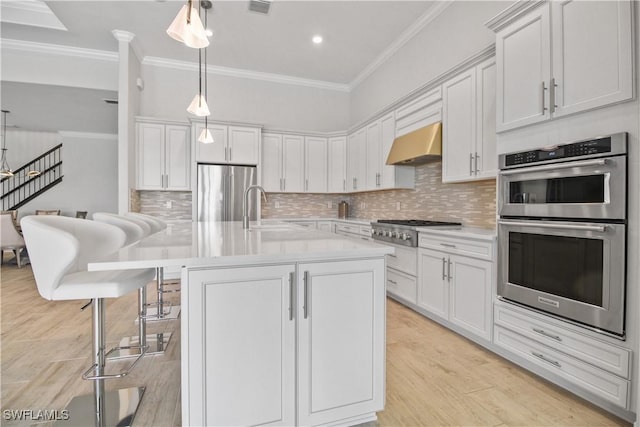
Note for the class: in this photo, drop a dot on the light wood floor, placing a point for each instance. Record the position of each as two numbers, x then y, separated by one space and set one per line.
434 377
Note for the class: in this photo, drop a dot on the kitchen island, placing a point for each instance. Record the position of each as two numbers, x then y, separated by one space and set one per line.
280 325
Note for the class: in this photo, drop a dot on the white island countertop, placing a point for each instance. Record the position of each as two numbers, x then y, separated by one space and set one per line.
226 243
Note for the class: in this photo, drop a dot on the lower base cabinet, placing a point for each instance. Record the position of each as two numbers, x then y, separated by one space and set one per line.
250 333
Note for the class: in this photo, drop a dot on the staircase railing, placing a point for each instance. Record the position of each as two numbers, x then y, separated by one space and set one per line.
22 188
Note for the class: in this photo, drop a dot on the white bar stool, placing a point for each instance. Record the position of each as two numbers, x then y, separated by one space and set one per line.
60 249
163 310
155 343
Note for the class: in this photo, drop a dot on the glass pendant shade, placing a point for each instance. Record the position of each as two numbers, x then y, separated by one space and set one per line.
189 31
199 106
205 136
5 170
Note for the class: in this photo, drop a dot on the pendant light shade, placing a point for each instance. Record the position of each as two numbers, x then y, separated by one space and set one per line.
206 137
199 106
187 28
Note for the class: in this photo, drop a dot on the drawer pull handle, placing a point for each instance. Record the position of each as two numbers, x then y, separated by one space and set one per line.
392 282
542 357
547 334
392 255
447 245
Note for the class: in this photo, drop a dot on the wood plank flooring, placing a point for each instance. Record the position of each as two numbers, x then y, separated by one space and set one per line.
434 377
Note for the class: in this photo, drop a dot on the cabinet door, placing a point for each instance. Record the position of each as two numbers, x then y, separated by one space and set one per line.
486 162
337 179
293 163
244 143
470 295
151 155
215 152
459 127
341 309
523 54
592 54
373 154
356 160
315 165
233 317
177 158
272 162
433 287
387 135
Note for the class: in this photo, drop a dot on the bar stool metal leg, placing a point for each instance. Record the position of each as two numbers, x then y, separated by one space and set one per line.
163 310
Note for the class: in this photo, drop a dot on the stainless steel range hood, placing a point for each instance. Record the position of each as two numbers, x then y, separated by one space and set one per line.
415 148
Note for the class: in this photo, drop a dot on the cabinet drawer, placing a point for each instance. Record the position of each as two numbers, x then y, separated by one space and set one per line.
467 247
346 228
601 383
598 353
365 231
306 224
402 285
405 259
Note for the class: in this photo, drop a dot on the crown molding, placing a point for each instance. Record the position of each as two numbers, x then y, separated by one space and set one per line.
129 37
247 74
407 35
55 49
32 13
88 135
516 10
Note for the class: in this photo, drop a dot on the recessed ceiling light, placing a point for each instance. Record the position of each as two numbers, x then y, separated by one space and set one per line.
317 39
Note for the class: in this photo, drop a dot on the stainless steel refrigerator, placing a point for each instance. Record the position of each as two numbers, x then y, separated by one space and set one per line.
220 191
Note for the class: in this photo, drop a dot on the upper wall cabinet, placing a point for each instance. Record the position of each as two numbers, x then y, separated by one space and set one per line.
315 164
468 134
356 161
282 163
337 167
163 156
420 112
544 69
238 145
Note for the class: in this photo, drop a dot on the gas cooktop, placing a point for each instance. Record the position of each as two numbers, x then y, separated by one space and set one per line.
403 231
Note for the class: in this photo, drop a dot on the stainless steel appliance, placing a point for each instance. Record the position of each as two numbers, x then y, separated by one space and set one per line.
404 231
220 191
562 231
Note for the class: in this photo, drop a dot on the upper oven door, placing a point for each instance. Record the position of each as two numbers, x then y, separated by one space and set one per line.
593 189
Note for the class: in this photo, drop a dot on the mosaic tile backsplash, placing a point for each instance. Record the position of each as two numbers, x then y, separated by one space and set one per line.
155 203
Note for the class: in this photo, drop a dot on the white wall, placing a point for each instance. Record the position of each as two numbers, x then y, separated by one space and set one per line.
168 92
89 166
455 35
23 145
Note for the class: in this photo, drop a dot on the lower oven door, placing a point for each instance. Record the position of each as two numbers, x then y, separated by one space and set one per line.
570 269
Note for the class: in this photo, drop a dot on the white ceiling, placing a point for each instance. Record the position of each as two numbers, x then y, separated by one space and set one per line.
355 33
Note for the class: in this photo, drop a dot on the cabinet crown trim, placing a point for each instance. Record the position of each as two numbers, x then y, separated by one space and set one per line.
161 121
513 12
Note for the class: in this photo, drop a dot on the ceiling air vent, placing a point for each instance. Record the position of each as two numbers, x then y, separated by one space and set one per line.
110 101
260 6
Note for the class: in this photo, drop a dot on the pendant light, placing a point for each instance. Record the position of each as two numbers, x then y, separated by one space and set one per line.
199 105
5 170
205 136
187 28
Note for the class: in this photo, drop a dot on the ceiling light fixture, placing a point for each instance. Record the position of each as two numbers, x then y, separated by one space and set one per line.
199 105
187 28
205 136
317 39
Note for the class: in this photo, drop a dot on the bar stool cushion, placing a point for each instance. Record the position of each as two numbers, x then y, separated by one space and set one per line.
100 284
132 230
155 223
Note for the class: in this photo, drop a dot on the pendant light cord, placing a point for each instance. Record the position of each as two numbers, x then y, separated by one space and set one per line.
206 77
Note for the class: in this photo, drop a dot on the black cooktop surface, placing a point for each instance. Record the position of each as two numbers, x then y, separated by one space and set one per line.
416 222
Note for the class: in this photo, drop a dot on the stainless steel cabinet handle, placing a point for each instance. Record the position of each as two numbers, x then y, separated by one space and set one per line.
552 95
596 162
344 185
229 153
225 153
477 169
547 334
378 179
392 255
597 228
470 163
544 108
392 282
546 359
280 184
306 185
291 292
284 184
449 276
444 263
306 294
448 245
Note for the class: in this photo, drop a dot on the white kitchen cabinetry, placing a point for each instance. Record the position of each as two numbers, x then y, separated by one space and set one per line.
294 317
353 230
282 163
238 145
565 353
468 135
163 156
325 226
544 71
401 274
373 156
337 168
455 282
356 161
420 112
315 168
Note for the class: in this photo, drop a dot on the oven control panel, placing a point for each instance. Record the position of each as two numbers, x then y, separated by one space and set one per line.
609 145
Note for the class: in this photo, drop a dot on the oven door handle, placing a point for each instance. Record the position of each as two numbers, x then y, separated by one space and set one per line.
555 166
598 228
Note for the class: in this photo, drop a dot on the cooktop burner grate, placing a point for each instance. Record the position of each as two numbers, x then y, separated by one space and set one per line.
416 222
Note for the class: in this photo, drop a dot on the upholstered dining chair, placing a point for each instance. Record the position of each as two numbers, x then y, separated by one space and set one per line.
47 211
10 238
60 249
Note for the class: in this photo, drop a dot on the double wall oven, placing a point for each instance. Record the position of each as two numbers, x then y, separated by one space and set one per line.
562 231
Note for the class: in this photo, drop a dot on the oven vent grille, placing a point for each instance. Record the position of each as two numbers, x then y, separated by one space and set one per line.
260 6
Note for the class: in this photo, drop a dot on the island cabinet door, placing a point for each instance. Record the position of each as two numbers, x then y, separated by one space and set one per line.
239 340
341 321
